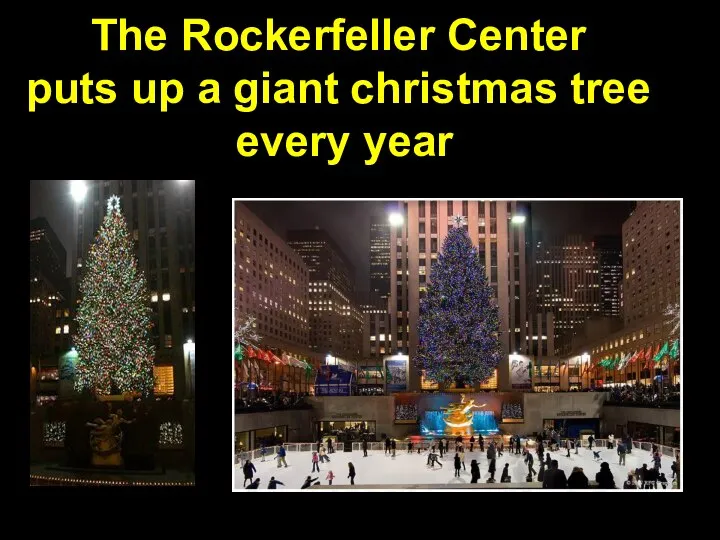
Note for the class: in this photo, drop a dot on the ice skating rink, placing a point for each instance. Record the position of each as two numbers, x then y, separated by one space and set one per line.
405 468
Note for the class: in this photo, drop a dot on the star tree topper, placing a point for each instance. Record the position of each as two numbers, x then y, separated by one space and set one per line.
459 221
113 204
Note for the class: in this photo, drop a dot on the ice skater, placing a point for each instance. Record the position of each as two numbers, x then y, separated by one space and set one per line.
472 442
474 472
308 482
433 459
393 445
447 446
281 456
315 462
364 447
596 455
254 485
387 446
330 477
249 470
410 447
529 461
330 447
461 453
441 448
505 476
481 442
591 439
323 455
621 452
568 444
578 444
351 473
457 465
273 484
263 451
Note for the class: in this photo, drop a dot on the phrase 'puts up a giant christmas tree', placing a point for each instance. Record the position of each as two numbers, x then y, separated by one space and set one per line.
113 342
458 325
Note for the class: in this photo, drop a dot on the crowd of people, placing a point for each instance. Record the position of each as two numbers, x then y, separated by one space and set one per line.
644 395
406 412
512 410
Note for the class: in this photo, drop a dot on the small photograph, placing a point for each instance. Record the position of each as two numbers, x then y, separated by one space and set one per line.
112 345
457 345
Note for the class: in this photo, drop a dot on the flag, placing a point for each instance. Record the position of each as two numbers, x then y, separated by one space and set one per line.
239 353
275 358
662 352
265 356
250 352
625 361
675 349
635 356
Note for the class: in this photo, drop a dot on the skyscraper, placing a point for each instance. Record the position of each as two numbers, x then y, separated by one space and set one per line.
609 255
160 216
335 320
380 257
498 230
567 284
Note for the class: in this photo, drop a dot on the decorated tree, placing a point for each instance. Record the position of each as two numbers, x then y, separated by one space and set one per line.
458 325
113 342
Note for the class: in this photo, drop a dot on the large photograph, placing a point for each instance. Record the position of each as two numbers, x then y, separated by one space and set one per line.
112 332
456 344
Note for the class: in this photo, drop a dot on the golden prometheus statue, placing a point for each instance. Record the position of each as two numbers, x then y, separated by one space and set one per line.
458 416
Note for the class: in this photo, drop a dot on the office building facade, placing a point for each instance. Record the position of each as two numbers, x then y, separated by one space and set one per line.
502 246
380 257
608 250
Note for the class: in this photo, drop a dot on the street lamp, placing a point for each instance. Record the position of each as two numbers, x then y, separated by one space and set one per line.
518 220
78 189
396 219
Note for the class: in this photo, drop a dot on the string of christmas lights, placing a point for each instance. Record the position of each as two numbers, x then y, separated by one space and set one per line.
113 342
458 324
171 435
54 434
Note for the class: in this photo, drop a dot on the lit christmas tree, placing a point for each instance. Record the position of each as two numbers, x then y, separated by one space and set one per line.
458 325
113 342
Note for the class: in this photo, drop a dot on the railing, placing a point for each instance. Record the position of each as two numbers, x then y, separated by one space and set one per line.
402 446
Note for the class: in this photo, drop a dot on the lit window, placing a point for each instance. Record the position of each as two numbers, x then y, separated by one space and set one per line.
57 330
66 329
166 297
164 381
168 341
67 312
154 297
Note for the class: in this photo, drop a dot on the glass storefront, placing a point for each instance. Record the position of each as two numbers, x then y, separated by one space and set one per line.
252 440
347 431
666 435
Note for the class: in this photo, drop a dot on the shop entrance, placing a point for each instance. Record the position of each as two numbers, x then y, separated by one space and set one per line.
347 431
573 427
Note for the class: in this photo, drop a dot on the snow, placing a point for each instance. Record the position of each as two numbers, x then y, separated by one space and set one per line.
381 469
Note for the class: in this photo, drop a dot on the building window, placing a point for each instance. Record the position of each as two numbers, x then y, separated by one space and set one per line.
433 209
421 209
433 227
422 245
449 208
154 297
481 209
433 245
422 227
168 341
164 380
493 209
166 297
66 329
465 209
58 330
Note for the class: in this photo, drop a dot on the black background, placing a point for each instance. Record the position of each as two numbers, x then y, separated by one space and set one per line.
499 151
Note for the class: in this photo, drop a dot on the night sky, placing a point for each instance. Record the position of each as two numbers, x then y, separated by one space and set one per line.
51 199
349 222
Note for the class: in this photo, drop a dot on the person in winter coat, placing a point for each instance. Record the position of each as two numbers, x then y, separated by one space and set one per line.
433 459
330 447
643 474
481 442
387 445
458 442
323 455
491 470
540 451
591 439
518 444
491 451
364 447
663 481
273 484
281 456
441 447
500 448
541 472
621 452
315 462
577 479
319 444
674 468
472 442
611 441
547 461
657 460
568 445
351 473
474 472
554 477
447 446
308 482
505 476
457 464
461 453
651 478
263 451
330 477
254 485
605 478
410 447
578 444
629 483
248 470
529 461
393 445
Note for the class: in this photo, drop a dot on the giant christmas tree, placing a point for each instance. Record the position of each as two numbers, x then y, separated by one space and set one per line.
458 325
113 341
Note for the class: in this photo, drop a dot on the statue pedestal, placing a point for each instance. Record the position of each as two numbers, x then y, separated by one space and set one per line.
111 459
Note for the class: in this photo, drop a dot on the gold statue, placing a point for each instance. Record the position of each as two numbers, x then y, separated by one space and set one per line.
458 416
106 440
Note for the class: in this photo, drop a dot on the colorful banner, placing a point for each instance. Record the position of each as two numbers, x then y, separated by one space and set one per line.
520 372
396 370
